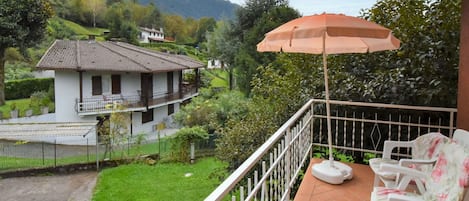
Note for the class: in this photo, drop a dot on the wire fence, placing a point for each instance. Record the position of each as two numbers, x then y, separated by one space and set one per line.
18 155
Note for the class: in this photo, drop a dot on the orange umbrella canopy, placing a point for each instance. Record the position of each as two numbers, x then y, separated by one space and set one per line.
343 34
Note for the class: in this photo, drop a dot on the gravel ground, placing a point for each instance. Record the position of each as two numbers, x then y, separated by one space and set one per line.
72 187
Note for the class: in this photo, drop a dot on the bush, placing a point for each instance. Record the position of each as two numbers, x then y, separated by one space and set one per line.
18 89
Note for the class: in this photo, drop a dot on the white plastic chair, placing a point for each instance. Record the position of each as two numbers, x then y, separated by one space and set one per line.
424 152
447 181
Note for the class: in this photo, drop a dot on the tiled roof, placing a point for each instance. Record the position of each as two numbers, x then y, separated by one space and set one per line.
111 56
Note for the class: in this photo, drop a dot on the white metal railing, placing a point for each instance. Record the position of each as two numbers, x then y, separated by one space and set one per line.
271 171
102 103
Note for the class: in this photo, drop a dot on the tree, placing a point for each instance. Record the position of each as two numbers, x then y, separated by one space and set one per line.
253 20
424 68
119 18
22 24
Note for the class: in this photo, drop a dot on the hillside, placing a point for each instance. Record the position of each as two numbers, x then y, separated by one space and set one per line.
196 9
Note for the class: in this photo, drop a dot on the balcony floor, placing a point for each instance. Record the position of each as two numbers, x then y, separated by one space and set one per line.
357 189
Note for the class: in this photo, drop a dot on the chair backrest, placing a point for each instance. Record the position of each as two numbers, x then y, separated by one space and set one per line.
461 137
450 175
427 146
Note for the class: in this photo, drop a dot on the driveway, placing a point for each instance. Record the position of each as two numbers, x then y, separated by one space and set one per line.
72 187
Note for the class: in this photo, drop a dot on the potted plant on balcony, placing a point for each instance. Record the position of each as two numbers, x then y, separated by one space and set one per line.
45 101
29 111
13 110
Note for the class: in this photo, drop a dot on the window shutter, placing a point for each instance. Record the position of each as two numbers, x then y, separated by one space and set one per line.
96 83
116 84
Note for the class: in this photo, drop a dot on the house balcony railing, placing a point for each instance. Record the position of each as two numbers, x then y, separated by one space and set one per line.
271 172
103 104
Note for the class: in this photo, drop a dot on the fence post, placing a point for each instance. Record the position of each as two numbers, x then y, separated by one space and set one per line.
55 152
43 160
87 151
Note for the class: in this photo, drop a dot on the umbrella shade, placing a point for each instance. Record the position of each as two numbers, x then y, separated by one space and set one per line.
329 34
343 34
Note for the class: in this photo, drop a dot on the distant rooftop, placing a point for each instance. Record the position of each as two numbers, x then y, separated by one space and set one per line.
111 56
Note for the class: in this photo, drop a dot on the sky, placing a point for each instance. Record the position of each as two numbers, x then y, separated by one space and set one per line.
310 7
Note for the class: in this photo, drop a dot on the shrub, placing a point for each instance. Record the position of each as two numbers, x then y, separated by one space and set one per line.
24 88
182 140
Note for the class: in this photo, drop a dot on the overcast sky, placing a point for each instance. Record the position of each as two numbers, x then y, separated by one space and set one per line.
310 7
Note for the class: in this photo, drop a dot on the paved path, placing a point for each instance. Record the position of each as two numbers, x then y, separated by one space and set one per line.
72 187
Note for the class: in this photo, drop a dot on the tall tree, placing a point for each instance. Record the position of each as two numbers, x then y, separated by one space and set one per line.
120 23
22 24
253 20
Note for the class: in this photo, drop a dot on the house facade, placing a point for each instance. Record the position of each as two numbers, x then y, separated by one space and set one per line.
148 35
91 77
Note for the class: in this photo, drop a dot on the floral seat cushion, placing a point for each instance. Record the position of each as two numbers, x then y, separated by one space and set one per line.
447 180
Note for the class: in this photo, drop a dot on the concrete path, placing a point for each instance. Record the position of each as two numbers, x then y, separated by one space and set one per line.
72 187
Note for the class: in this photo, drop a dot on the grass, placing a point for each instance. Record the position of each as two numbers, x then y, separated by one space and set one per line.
81 30
219 78
160 182
22 105
10 163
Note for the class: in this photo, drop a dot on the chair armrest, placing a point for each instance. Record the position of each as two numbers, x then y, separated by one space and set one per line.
408 162
397 197
407 175
389 145
402 170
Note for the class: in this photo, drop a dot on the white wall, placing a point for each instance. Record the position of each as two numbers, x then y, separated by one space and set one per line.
67 91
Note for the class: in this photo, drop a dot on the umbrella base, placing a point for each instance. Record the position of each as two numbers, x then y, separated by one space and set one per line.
333 173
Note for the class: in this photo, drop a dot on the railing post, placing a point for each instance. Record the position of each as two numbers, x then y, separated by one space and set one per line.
311 126
451 119
287 163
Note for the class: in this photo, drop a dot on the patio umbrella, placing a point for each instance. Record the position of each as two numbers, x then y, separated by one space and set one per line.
329 34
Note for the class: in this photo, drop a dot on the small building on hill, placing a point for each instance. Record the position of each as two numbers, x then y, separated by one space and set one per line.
147 35
91 76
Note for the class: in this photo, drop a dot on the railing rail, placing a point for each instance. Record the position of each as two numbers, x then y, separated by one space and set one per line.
271 171
102 103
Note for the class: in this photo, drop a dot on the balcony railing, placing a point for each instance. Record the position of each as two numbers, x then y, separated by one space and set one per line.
102 103
271 171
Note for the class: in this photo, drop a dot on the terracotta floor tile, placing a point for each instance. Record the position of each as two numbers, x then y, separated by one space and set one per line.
357 189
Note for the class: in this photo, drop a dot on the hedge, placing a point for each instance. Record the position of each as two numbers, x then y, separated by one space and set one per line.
23 88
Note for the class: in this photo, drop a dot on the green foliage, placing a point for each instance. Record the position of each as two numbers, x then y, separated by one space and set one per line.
118 18
424 68
182 140
235 42
17 71
22 24
40 99
21 105
322 152
114 131
159 182
17 89
213 110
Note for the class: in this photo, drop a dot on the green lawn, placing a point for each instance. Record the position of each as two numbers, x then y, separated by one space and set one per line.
10 163
160 182
219 78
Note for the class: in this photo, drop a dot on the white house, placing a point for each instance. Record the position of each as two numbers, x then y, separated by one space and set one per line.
91 75
150 35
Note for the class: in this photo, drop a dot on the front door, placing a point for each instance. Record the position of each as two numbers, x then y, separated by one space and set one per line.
170 83
146 83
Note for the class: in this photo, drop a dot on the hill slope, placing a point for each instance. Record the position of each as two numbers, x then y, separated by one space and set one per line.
217 9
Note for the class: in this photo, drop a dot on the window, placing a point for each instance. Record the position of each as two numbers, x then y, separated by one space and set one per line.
147 116
170 109
96 83
116 84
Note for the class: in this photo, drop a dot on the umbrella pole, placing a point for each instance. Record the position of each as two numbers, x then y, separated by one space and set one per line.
328 108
